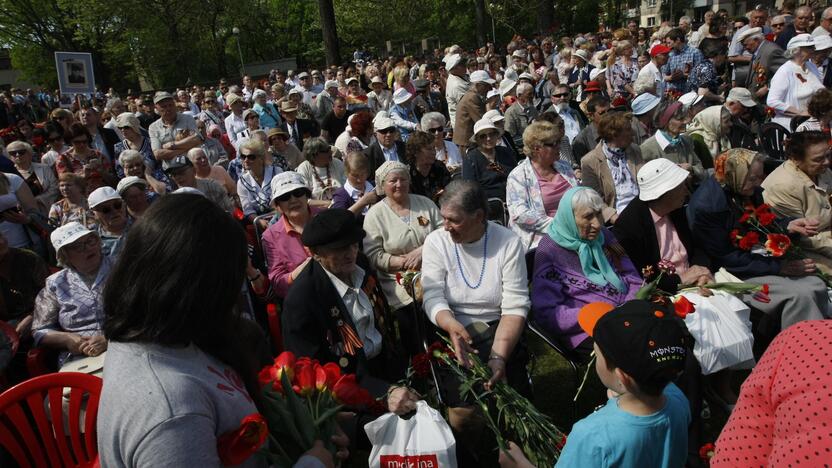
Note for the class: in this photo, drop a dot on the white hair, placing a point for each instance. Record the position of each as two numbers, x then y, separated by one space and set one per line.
129 155
430 117
587 198
523 87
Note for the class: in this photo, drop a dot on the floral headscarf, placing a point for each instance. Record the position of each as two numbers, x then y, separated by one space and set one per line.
708 125
731 168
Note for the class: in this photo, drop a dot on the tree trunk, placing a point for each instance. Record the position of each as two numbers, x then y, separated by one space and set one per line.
330 33
479 14
545 15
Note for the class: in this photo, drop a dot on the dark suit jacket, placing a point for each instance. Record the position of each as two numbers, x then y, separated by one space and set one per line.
306 129
375 155
770 57
636 232
309 324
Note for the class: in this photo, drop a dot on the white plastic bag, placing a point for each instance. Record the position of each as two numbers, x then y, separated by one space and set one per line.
722 330
423 441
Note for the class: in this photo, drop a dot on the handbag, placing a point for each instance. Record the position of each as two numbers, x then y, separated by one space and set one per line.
424 440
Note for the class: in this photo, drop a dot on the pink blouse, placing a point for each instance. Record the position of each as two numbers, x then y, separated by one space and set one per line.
552 191
670 246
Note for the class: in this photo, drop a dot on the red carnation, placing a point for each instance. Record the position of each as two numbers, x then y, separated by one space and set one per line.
706 452
421 364
749 240
237 446
348 392
735 236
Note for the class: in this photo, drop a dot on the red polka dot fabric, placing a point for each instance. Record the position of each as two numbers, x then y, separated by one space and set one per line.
784 415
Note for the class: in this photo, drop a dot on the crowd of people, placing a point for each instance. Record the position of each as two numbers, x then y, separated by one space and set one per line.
539 183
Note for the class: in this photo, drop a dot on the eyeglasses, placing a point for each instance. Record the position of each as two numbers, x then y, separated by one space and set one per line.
387 131
80 142
296 193
83 244
488 135
17 152
107 209
560 95
250 156
435 130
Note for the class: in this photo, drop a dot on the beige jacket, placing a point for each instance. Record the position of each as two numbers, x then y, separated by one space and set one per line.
790 192
595 174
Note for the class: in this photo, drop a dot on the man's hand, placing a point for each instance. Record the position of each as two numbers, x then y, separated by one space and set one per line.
807 227
802 267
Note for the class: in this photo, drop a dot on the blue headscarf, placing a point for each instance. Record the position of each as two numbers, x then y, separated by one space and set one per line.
564 231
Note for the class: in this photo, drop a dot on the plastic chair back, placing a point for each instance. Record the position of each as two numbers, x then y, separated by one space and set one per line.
773 139
35 438
497 211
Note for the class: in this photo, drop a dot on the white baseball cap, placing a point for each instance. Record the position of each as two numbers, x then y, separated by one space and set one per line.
659 176
101 195
286 182
128 182
382 123
401 96
67 234
481 76
330 84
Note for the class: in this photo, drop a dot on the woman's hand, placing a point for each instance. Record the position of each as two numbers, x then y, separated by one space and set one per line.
802 267
24 326
497 365
93 345
74 342
806 227
460 338
696 275
413 260
401 400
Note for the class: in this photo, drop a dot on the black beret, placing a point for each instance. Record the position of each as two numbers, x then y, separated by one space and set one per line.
335 227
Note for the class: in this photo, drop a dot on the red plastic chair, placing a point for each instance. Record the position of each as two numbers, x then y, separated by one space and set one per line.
51 446
14 340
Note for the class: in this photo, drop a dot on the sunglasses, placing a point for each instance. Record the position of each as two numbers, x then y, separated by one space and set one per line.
387 131
17 152
107 209
561 95
296 193
436 130
488 135
250 157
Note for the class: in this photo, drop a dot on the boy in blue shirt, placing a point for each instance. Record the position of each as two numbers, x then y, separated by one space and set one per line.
640 349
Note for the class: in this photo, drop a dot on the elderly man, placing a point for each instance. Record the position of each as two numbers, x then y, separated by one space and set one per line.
680 62
211 111
305 87
766 58
803 19
457 84
387 147
185 98
248 88
825 26
740 104
737 55
572 120
326 100
111 215
587 140
181 170
471 108
269 116
234 123
703 30
174 133
520 114
297 129
652 71
102 139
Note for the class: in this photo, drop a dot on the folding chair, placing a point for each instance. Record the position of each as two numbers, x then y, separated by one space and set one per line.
773 139
497 211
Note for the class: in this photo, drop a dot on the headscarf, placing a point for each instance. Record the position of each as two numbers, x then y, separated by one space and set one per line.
386 169
564 231
731 168
708 125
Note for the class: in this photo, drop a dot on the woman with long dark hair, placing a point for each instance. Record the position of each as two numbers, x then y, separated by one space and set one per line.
179 371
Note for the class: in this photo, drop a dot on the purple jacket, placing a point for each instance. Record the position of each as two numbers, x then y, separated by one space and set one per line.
560 289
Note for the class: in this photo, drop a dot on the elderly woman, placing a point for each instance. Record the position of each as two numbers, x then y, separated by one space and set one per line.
135 164
704 79
323 173
488 164
285 254
396 229
39 177
820 108
794 83
578 261
212 146
69 313
254 185
133 190
135 140
55 141
715 209
447 152
17 205
610 169
358 135
357 194
476 291
428 176
622 71
711 128
84 160
671 143
536 186
285 155
204 170
269 115
111 217
73 206
801 187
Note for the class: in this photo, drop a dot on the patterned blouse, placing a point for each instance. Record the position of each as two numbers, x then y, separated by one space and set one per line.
621 75
63 212
92 169
149 161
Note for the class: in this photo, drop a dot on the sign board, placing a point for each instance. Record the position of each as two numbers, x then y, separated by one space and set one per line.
75 73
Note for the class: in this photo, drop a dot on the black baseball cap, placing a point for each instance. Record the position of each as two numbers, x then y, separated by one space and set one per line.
644 339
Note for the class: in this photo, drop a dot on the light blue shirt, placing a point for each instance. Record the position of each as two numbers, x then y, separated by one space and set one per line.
613 437
570 124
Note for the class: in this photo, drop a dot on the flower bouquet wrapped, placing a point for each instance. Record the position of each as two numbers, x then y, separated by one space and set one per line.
301 399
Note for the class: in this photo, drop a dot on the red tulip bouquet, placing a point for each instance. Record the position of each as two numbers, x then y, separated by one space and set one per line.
301 400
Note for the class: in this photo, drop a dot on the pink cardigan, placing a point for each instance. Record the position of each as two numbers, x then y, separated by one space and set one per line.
784 414
284 251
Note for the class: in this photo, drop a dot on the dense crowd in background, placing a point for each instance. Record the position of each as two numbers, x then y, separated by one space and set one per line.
526 183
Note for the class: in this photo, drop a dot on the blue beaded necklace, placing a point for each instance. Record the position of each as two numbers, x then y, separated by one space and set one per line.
482 270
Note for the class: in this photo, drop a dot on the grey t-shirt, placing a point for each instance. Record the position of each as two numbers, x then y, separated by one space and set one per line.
160 134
